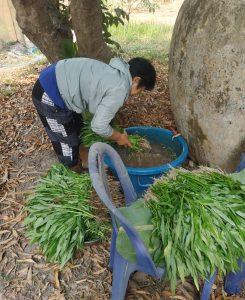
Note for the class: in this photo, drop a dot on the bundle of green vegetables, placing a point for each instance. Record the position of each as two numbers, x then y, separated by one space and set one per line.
61 217
88 137
194 224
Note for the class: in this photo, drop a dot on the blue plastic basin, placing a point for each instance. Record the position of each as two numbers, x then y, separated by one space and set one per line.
142 178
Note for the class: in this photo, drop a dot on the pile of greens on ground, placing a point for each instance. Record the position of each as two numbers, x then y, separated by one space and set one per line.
191 223
88 137
61 217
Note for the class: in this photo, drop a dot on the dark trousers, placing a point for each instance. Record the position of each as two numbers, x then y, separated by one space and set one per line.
62 126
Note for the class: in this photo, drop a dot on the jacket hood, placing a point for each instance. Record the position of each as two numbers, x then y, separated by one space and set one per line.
121 65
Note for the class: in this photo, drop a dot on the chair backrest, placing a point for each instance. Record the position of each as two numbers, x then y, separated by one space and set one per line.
97 153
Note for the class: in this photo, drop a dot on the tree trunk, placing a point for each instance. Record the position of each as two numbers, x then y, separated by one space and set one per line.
87 24
56 3
206 79
40 21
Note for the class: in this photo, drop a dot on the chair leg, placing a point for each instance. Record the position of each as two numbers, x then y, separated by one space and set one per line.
122 269
207 288
112 248
235 281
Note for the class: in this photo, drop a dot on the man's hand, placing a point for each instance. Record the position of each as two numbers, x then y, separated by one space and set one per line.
121 139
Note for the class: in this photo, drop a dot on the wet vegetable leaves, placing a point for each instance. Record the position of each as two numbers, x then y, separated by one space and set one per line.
88 137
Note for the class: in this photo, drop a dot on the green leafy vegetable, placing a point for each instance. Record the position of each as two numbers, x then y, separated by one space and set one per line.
88 137
139 144
61 217
198 224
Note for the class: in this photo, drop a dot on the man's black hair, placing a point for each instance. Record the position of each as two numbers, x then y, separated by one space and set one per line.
143 68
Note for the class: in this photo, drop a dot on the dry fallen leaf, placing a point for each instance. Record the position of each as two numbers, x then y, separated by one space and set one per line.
100 271
4 178
28 260
187 295
9 244
166 295
6 241
57 295
4 232
23 272
56 279
29 276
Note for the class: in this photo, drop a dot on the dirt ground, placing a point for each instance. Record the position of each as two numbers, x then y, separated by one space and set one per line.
26 154
166 13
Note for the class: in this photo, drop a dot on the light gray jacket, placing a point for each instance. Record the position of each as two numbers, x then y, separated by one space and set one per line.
88 84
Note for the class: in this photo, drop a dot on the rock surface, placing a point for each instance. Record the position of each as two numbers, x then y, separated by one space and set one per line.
207 80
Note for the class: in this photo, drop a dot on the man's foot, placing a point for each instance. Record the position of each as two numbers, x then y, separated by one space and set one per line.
77 168
83 155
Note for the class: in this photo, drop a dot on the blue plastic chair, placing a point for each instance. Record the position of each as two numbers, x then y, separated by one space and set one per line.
235 281
122 269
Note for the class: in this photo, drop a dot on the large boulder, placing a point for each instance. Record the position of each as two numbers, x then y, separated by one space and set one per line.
207 79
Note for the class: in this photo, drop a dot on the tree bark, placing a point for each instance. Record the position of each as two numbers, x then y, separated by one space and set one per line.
56 3
40 21
87 24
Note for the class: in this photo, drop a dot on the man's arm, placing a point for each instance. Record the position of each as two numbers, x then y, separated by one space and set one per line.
101 121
